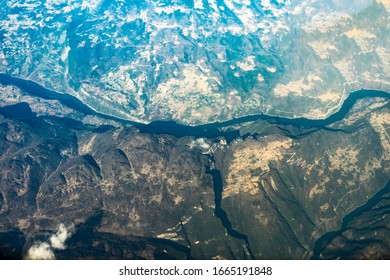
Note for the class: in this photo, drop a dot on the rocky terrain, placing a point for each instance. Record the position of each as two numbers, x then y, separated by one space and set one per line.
202 129
199 61
294 189
75 189
364 236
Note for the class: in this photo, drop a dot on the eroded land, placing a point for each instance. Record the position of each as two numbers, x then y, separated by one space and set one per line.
126 194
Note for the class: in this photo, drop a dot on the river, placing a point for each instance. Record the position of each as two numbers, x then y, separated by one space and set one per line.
211 130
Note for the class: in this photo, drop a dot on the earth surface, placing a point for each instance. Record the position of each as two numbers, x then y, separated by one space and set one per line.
202 129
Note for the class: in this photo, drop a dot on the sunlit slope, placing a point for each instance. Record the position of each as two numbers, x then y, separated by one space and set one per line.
199 61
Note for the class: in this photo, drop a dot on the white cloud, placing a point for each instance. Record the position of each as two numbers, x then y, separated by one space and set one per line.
199 143
58 240
41 251
44 250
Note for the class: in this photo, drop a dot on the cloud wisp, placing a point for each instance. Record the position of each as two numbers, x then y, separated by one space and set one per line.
45 250
199 143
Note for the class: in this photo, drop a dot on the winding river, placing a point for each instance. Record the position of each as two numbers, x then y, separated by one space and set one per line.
210 130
